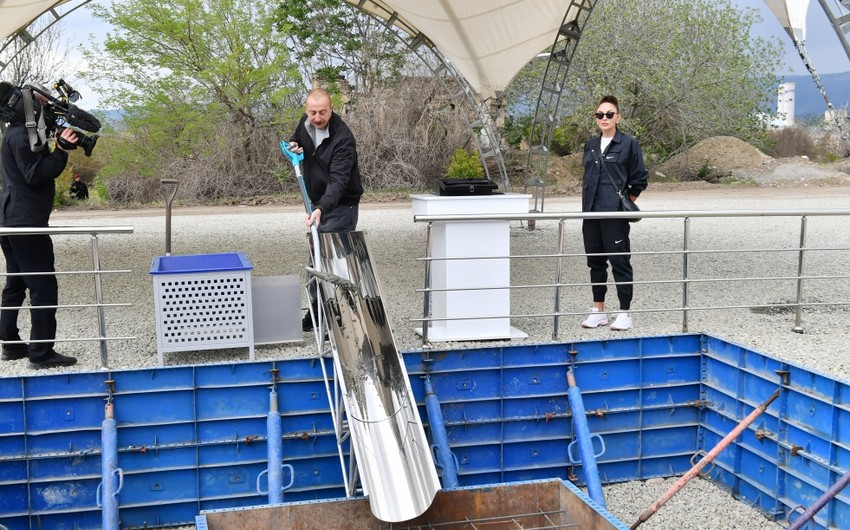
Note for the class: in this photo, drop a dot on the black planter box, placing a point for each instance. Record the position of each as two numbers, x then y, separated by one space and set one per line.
465 187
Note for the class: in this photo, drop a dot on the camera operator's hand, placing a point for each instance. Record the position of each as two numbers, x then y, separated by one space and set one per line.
67 140
295 148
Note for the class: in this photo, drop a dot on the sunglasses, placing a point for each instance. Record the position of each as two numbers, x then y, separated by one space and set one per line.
610 114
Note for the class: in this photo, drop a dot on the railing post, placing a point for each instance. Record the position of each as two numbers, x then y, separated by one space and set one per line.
98 294
558 279
426 310
685 273
798 322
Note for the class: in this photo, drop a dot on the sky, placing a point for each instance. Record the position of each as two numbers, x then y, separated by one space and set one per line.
825 51
822 44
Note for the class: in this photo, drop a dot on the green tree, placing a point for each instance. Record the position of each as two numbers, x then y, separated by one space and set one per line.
205 85
332 39
683 70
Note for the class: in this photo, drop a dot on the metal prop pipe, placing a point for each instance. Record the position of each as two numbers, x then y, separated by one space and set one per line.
274 442
820 502
275 450
585 442
439 436
107 494
694 471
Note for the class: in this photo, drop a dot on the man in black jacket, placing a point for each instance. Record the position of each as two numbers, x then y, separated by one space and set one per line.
79 190
26 201
331 172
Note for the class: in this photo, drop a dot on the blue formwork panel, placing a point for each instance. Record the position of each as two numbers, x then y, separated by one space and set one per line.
503 406
791 454
192 438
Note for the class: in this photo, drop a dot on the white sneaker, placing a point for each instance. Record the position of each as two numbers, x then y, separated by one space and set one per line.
622 322
595 319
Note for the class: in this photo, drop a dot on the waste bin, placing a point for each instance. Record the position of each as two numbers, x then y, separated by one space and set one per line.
203 302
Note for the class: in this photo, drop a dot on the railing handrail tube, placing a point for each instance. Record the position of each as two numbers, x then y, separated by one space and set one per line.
63 230
634 253
93 232
643 214
650 310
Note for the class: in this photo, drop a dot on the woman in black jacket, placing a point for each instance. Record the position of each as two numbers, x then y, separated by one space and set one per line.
612 161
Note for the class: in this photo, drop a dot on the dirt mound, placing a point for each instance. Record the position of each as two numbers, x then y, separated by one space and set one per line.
715 158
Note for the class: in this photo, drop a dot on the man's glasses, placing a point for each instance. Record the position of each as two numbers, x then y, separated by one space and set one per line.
610 114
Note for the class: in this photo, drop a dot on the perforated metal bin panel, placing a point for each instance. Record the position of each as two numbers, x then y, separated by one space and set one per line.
203 311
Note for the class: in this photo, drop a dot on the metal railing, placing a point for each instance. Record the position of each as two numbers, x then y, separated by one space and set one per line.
688 280
96 272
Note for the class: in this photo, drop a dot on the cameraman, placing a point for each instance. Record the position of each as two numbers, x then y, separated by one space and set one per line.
26 201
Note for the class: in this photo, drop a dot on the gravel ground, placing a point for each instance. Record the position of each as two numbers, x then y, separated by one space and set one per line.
274 240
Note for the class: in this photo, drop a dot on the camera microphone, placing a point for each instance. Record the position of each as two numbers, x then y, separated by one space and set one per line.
79 118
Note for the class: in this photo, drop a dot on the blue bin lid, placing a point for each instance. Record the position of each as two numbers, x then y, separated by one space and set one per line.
229 261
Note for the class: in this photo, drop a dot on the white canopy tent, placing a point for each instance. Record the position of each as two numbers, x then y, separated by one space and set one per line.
17 14
792 15
487 41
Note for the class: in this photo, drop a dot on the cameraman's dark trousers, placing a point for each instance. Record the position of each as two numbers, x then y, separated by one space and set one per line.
606 236
30 254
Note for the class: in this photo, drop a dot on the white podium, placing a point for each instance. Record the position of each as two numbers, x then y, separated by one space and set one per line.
470 239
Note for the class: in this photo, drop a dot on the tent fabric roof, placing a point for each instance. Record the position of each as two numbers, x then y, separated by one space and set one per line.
17 14
792 15
487 41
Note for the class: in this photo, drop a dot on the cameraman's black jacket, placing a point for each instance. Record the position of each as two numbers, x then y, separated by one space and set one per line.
28 179
331 172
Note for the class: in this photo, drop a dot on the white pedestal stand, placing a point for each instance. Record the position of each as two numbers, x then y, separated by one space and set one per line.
470 239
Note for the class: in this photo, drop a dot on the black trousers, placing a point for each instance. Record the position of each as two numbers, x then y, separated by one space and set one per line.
607 236
30 254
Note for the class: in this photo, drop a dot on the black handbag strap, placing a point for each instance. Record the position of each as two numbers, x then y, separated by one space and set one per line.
605 170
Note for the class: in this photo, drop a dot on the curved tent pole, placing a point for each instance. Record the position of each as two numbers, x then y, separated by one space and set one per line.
549 100
840 21
801 49
23 37
792 16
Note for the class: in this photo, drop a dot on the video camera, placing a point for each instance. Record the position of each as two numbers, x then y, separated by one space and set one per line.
46 115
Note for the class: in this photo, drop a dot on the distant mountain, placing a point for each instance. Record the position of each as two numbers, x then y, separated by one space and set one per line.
115 118
809 101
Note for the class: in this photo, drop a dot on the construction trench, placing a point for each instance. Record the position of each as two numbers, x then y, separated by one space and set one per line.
287 444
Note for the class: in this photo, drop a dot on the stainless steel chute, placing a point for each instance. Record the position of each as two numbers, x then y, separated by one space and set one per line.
393 457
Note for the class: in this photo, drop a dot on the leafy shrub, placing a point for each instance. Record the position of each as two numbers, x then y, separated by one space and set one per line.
793 141
464 166
818 141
